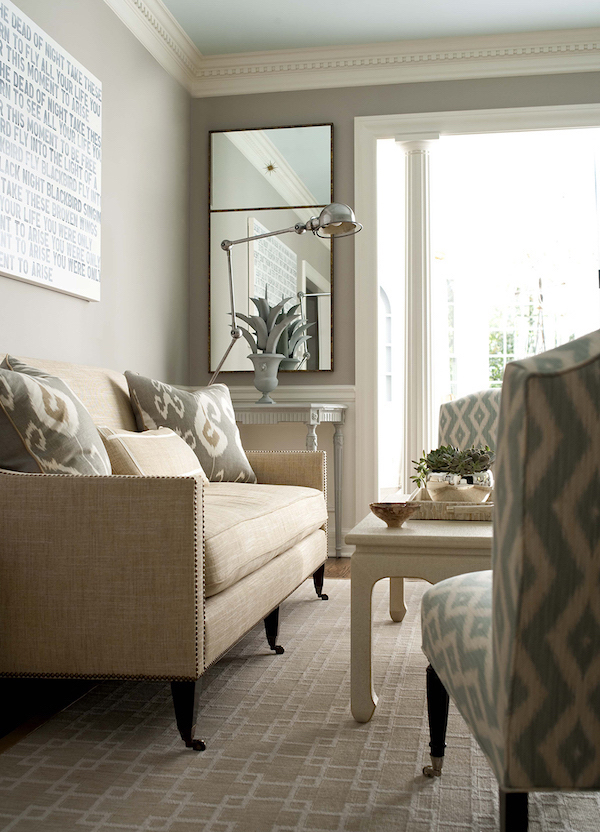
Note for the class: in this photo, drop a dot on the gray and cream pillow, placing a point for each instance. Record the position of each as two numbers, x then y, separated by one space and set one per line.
44 427
204 418
150 453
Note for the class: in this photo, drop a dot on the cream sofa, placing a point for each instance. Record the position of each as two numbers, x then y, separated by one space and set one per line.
150 577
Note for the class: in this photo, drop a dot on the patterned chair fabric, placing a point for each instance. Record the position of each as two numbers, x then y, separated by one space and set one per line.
471 420
524 671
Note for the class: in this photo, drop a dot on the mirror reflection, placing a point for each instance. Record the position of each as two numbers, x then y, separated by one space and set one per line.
263 181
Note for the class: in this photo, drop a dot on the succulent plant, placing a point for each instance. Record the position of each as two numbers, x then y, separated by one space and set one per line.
294 336
447 459
269 325
276 331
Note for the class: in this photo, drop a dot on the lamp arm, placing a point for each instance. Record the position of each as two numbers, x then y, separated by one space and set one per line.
236 332
299 228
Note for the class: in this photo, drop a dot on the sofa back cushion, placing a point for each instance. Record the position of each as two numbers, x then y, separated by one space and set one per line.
150 453
44 427
204 418
103 392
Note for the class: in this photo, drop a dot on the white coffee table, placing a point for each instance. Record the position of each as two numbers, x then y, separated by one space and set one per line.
429 549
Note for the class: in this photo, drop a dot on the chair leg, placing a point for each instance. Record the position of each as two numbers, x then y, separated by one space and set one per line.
318 578
514 811
437 711
272 629
185 701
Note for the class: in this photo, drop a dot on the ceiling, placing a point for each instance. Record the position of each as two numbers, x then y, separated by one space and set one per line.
238 26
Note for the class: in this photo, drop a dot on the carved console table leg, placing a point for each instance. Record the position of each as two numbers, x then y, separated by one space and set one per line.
311 434
338 458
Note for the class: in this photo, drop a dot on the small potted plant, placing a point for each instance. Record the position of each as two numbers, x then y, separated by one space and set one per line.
456 475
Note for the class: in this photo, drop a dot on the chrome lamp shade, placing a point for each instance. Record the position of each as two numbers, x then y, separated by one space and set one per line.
336 220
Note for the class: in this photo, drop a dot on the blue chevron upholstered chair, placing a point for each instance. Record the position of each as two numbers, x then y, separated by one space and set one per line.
470 421
518 648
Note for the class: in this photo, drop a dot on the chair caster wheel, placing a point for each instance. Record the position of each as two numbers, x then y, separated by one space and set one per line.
435 769
278 649
196 745
324 597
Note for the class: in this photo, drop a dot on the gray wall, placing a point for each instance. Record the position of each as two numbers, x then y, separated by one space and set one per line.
141 321
340 106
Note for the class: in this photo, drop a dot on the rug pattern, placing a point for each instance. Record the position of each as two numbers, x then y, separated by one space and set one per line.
284 753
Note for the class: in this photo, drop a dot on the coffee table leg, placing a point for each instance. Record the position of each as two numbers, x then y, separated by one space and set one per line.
363 699
397 605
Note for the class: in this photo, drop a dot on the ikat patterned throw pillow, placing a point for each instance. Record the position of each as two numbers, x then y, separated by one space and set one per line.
204 418
44 427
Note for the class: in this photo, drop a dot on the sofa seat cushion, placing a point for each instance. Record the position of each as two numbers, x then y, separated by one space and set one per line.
246 525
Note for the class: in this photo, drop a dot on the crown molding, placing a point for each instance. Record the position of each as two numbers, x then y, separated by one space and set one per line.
399 62
156 29
441 59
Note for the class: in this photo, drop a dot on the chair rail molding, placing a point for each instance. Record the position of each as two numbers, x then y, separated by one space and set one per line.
411 127
397 62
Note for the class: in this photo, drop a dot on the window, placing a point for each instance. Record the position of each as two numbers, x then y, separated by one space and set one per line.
514 237
509 223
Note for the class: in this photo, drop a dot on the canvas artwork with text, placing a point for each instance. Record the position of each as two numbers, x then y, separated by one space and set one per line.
50 161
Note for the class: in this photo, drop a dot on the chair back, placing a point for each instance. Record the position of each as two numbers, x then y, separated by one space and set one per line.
546 569
470 420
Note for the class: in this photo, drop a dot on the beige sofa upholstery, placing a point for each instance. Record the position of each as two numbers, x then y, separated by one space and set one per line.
150 577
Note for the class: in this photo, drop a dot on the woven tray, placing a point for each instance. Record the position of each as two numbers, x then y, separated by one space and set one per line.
428 510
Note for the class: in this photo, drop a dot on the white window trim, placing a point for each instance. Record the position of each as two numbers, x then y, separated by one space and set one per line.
367 131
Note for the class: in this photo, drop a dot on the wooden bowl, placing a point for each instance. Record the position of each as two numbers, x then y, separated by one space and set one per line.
393 514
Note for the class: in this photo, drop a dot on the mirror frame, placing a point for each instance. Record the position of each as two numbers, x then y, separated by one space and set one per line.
317 209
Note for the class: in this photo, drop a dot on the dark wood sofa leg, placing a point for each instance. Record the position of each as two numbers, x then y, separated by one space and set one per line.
272 629
186 696
437 711
514 811
318 578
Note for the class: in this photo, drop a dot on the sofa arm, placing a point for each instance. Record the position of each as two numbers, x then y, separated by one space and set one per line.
307 468
101 576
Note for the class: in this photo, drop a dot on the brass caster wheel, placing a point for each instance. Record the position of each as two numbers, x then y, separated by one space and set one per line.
435 769
196 745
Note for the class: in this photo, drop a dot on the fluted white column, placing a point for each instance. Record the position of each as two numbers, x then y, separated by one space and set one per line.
419 428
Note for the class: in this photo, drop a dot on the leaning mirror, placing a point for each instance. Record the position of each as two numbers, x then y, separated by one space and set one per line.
262 181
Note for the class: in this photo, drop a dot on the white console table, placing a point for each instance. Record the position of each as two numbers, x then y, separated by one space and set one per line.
312 415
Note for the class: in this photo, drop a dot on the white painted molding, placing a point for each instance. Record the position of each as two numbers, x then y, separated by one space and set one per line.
366 291
398 62
418 347
288 394
401 62
156 28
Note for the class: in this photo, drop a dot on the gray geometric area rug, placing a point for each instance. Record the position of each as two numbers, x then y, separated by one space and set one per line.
283 752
